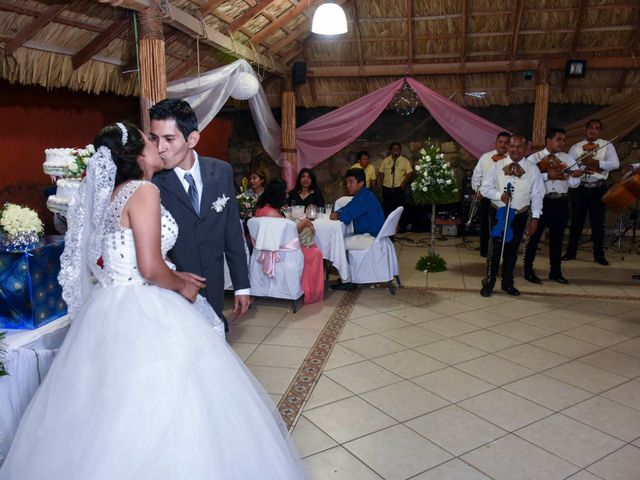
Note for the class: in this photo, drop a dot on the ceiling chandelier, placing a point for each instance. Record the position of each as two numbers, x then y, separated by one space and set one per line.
329 19
405 100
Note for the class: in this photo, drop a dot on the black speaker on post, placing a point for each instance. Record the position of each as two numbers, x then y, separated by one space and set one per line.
299 73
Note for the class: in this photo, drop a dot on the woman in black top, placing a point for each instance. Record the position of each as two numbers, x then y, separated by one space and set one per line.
306 192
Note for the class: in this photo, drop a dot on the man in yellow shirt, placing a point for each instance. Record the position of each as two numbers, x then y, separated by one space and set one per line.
396 171
370 173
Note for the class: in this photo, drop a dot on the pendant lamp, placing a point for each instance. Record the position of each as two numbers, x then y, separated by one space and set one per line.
329 19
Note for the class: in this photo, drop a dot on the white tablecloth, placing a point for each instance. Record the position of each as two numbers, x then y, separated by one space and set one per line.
29 356
330 241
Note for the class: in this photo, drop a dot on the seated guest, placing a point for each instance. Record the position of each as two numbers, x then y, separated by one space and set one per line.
364 211
306 192
269 205
370 172
258 178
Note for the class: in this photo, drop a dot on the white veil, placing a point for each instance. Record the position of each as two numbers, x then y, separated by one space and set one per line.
86 219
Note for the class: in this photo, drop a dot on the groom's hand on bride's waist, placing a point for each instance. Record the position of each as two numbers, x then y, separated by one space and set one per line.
192 285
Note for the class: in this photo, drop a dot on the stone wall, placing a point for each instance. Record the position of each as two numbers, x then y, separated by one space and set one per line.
411 132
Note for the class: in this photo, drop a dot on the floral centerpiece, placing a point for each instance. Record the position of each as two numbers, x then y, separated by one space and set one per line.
21 226
434 183
246 204
81 158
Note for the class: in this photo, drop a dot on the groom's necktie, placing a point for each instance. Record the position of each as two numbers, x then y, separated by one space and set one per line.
193 192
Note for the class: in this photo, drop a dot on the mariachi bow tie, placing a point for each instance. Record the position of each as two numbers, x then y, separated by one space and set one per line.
513 169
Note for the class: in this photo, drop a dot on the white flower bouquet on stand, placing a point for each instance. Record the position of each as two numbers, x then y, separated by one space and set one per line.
434 183
21 227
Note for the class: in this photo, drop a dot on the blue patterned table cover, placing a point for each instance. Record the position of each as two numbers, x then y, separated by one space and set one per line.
30 295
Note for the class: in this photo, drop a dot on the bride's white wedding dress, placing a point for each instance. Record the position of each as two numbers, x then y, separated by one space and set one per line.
144 388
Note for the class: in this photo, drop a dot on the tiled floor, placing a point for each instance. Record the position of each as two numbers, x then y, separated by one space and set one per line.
437 382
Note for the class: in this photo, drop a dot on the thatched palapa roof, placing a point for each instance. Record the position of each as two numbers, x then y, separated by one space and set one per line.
483 52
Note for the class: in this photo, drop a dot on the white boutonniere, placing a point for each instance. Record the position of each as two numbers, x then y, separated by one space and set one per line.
220 203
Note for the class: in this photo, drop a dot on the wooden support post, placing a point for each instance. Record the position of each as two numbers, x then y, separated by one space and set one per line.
153 72
541 108
289 152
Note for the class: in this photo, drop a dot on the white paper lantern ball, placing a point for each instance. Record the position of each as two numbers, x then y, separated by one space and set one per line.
246 86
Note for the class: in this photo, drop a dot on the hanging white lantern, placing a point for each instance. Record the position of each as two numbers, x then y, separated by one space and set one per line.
246 86
329 19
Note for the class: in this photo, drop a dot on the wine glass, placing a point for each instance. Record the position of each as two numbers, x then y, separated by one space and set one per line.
312 212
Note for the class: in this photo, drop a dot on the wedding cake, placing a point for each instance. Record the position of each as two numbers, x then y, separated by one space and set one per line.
63 162
66 167
66 189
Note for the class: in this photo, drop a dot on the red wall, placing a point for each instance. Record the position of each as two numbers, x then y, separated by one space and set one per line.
33 118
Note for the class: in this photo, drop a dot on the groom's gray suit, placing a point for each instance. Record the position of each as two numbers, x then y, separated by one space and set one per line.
204 240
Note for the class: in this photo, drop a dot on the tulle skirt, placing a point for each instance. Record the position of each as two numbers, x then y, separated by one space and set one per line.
144 388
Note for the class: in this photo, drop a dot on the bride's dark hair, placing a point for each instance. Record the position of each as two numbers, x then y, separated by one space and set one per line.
124 156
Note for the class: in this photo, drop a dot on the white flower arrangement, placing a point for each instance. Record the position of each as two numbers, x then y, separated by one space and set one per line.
434 180
21 225
246 204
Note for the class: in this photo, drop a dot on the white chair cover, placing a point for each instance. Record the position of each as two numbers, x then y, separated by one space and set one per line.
287 272
379 262
341 202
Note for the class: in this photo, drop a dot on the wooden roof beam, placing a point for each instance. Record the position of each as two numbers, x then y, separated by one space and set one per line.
463 42
282 20
183 67
98 43
209 6
498 66
248 15
35 26
208 35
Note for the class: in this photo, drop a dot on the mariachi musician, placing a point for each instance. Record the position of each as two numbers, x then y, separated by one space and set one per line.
554 165
588 196
526 200
485 162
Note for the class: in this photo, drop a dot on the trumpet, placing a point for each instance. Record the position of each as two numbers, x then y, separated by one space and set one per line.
474 209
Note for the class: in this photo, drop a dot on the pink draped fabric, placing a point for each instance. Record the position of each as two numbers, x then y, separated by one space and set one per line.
321 138
474 133
268 258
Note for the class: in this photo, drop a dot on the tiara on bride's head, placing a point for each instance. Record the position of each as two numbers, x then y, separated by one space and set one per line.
125 134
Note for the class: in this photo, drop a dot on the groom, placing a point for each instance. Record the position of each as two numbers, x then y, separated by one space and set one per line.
199 193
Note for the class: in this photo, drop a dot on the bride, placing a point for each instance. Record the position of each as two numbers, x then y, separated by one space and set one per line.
144 386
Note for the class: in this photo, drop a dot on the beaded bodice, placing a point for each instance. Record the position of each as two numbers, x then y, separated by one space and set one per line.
119 249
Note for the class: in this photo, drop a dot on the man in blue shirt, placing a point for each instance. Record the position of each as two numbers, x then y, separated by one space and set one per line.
364 211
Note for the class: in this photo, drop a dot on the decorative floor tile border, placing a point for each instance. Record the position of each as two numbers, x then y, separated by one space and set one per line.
522 292
305 380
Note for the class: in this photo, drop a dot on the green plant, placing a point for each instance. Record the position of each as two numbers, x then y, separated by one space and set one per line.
431 263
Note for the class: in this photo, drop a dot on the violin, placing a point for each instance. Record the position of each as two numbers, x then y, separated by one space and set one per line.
551 163
504 217
498 156
591 165
513 169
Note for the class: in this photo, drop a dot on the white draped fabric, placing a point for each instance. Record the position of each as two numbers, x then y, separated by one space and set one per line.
208 93
29 356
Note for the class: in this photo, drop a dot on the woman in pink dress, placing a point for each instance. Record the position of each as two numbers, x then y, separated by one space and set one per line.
269 205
